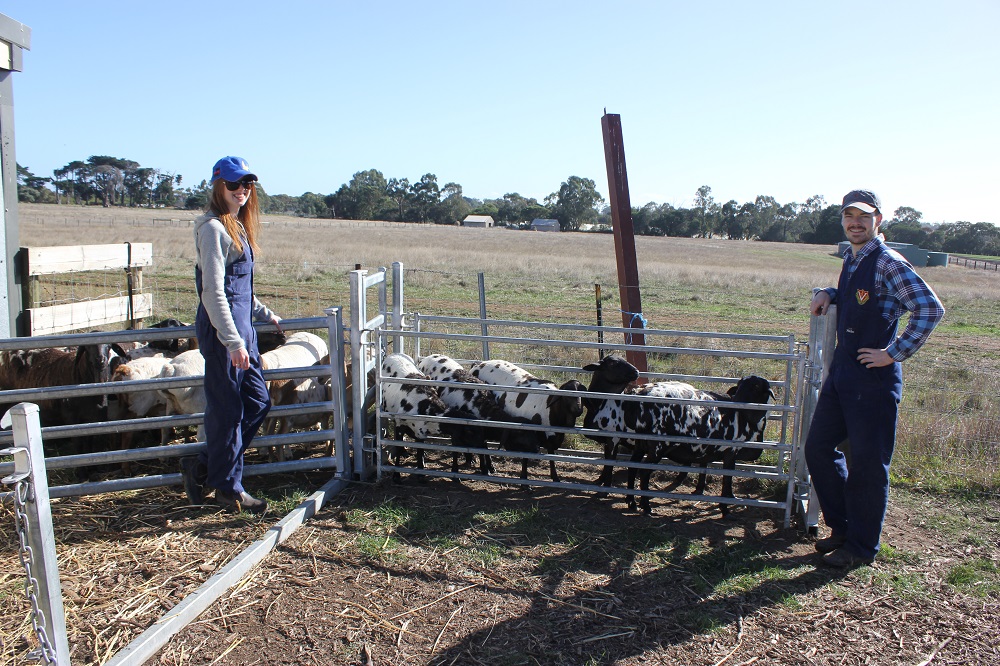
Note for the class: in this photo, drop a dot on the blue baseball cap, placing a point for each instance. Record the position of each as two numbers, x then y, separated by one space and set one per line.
233 169
864 200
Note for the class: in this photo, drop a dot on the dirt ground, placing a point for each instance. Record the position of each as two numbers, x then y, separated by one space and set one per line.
475 573
571 588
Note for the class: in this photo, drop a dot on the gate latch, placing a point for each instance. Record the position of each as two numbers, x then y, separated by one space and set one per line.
22 464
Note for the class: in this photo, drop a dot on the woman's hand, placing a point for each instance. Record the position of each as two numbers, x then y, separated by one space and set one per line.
240 358
276 320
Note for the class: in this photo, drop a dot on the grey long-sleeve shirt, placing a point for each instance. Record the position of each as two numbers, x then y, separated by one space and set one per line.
214 250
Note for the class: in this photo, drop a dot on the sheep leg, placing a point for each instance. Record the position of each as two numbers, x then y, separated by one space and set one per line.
606 479
420 464
654 457
678 480
552 471
285 450
638 453
486 465
728 462
126 444
395 453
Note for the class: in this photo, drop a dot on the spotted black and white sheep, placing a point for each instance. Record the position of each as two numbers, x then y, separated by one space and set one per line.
531 408
482 404
712 419
420 400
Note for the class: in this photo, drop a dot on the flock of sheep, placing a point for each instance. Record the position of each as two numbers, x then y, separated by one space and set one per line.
170 359
664 427
653 421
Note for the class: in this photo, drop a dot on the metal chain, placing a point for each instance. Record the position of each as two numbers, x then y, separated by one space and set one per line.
22 495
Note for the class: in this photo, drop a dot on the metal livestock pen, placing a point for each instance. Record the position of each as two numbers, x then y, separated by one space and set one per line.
558 352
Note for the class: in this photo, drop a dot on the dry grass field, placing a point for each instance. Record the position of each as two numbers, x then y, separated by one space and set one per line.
949 434
475 573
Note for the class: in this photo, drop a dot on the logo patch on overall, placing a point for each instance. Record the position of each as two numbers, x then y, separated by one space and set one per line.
862 296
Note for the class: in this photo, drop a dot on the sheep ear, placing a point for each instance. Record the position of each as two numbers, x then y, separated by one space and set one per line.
592 367
119 349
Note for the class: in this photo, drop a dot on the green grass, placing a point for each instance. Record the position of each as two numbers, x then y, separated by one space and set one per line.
909 585
979 577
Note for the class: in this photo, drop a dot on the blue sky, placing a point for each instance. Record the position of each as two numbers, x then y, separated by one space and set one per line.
788 99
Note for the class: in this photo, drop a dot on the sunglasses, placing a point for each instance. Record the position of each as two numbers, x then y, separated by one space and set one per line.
232 187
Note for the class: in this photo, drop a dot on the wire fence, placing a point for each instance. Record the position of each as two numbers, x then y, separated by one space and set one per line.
982 264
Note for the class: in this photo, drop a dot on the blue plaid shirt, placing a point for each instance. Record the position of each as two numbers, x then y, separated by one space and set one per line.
900 290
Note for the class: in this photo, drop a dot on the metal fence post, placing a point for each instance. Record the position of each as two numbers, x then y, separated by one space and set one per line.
822 341
397 305
338 393
359 315
482 315
37 540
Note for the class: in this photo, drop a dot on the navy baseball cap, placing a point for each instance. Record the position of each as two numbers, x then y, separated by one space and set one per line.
233 169
865 200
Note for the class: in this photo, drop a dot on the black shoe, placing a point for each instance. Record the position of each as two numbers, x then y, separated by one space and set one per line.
842 558
193 474
831 543
243 501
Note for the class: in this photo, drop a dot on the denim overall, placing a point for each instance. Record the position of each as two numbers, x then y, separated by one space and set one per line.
861 405
236 400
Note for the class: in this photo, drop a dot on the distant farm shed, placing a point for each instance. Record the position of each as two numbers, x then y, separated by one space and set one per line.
539 224
478 221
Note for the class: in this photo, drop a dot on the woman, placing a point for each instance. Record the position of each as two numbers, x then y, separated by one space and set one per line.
236 397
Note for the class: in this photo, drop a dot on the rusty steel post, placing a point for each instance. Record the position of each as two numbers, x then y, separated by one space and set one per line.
621 218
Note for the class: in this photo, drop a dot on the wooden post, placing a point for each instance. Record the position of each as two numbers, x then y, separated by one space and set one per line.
621 218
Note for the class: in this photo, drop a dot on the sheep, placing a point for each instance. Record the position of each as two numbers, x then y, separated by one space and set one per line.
185 399
138 404
482 404
705 421
51 367
533 408
175 345
419 400
301 349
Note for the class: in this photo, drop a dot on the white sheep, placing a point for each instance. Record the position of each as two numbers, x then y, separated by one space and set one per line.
185 399
300 350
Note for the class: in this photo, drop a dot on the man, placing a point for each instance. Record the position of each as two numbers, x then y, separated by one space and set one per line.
859 400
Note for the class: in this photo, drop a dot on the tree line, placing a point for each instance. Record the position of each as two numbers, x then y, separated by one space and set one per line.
369 195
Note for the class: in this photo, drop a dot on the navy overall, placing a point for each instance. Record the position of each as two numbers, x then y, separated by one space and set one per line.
861 405
236 400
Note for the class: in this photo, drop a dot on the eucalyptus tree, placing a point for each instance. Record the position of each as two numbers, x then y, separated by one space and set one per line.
425 194
365 197
708 211
577 202
398 190
453 207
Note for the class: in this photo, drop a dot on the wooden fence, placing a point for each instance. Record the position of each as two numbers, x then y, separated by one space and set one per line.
47 320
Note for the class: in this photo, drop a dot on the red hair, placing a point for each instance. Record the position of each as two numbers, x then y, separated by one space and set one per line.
245 224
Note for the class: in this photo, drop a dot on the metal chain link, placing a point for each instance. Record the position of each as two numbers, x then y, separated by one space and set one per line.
22 495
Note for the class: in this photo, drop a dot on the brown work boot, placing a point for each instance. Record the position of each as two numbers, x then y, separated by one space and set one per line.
236 502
